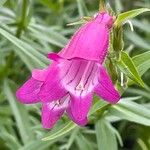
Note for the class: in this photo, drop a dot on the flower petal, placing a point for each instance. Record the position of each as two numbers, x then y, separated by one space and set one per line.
79 76
28 93
105 88
79 108
52 89
91 41
80 122
52 112
40 74
54 56
104 18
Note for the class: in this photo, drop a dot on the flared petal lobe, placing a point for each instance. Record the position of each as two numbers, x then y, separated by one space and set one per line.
39 74
52 112
91 41
81 122
28 93
52 89
104 18
79 107
105 88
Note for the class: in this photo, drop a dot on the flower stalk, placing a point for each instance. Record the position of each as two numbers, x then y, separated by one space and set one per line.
22 22
117 42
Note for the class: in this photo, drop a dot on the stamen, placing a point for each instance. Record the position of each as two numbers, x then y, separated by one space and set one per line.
75 74
57 103
80 86
61 102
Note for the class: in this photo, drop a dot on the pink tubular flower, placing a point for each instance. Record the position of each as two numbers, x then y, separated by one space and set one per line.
75 74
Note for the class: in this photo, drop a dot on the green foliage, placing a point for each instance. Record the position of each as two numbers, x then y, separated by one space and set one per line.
126 65
31 29
26 52
123 17
2 2
131 111
20 113
104 133
60 132
142 62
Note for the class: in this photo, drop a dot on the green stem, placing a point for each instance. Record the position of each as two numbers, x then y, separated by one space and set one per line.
21 27
21 24
102 5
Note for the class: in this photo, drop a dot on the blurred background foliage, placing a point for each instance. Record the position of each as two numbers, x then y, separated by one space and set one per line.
29 29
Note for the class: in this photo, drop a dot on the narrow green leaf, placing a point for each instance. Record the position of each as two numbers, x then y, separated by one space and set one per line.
106 138
131 111
143 144
118 6
116 132
29 61
82 8
2 2
51 5
121 65
71 139
126 72
48 35
23 49
5 111
20 113
137 91
123 17
142 62
5 121
44 145
127 60
137 40
11 141
37 144
67 128
141 25
83 143
49 138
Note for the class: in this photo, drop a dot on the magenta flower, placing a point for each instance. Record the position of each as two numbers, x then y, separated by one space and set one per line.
76 73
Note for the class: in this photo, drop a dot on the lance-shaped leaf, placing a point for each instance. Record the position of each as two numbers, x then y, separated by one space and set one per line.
82 8
123 17
12 141
25 51
126 65
62 131
49 35
142 62
2 2
134 37
20 113
83 142
105 135
131 111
